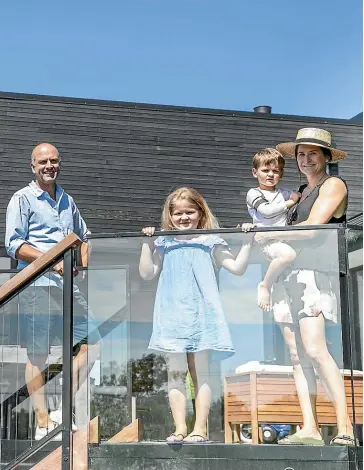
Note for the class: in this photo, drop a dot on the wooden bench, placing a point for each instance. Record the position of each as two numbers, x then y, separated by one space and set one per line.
258 397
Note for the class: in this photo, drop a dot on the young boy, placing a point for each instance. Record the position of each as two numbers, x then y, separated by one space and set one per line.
268 206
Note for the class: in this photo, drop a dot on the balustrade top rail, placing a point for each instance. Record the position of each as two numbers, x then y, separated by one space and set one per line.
28 274
285 228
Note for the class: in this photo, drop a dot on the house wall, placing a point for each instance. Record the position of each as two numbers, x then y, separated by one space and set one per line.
120 160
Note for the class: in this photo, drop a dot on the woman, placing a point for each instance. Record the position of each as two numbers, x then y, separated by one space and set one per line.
301 316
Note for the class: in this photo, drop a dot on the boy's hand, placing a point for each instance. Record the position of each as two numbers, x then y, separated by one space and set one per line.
148 231
295 196
246 227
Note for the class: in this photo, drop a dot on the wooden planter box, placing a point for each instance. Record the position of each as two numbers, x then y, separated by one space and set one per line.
271 397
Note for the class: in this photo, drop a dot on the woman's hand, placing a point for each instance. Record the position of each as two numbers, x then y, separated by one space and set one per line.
263 237
148 231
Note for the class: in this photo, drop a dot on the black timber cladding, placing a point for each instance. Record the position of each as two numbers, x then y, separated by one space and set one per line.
120 160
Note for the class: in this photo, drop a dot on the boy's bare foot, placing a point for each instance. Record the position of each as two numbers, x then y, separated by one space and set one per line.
263 297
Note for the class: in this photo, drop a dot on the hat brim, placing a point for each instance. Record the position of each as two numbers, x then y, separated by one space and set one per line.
287 149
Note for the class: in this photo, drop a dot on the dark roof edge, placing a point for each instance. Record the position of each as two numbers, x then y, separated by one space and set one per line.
356 220
190 109
360 214
358 117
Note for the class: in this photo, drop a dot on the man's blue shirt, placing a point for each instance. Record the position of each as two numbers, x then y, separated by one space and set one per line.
33 217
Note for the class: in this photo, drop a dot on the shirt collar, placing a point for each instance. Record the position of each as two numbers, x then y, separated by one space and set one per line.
38 192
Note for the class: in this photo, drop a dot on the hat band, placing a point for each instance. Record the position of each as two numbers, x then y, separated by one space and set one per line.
313 141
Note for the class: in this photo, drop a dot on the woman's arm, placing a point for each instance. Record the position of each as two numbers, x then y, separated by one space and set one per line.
331 195
236 265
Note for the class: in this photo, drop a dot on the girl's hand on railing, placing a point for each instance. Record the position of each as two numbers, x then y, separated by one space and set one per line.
148 231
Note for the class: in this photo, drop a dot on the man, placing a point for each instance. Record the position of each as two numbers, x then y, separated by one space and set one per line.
38 217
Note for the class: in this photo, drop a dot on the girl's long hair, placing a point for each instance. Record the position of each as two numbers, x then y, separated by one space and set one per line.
193 197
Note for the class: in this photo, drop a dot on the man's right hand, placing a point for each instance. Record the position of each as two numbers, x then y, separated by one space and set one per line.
58 268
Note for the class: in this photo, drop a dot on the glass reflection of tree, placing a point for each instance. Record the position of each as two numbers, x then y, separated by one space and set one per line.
113 410
149 379
149 387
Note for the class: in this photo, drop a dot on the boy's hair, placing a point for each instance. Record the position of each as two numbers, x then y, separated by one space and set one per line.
207 221
268 156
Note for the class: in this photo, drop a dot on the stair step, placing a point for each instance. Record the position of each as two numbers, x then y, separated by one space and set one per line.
10 448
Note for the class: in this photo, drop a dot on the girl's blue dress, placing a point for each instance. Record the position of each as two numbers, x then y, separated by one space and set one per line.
188 315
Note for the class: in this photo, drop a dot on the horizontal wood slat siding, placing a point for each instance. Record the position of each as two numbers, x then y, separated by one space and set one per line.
120 160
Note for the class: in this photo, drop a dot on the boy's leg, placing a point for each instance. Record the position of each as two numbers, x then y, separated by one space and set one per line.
177 372
282 255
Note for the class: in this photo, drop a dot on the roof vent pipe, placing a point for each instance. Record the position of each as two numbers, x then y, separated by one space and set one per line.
263 109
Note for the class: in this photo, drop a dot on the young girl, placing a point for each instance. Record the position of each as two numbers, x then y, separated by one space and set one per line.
189 323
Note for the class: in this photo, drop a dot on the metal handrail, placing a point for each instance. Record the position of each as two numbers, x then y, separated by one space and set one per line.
27 275
20 281
157 233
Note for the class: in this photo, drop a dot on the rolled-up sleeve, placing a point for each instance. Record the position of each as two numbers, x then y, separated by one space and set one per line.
17 223
256 200
79 225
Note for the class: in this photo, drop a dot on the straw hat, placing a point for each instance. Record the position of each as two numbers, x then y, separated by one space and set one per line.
311 136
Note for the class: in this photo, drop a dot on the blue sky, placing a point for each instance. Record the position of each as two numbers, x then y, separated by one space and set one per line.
301 57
